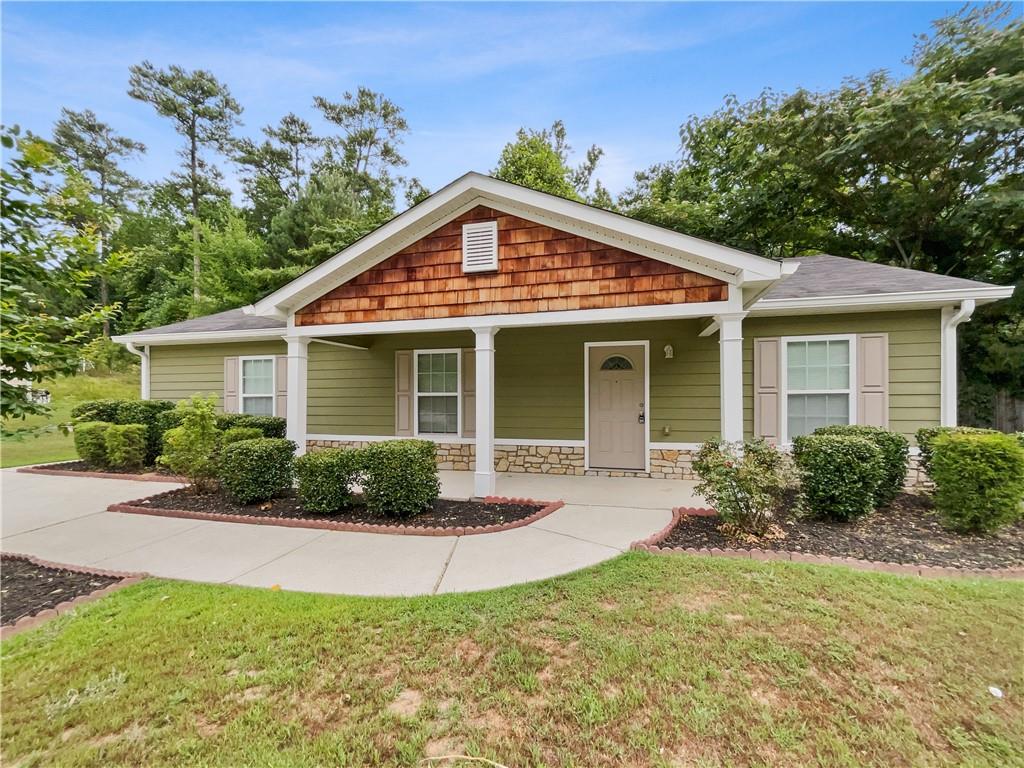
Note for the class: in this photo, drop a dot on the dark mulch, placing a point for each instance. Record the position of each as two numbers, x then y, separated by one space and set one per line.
907 531
27 588
445 513
81 466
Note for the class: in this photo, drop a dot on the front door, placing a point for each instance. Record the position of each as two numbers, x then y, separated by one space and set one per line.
617 413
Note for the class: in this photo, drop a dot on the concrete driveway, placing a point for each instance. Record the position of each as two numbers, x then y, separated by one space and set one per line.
62 519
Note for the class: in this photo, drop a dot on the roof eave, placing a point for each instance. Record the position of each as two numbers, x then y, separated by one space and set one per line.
902 300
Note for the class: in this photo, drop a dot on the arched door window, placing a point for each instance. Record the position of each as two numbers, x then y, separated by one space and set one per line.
617 363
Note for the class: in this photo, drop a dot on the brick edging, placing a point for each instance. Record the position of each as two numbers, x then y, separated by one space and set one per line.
148 477
134 507
652 544
125 579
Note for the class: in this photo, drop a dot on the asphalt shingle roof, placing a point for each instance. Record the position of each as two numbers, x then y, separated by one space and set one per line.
231 320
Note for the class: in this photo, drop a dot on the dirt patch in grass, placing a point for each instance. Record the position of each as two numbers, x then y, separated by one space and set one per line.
445 513
907 531
407 703
27 588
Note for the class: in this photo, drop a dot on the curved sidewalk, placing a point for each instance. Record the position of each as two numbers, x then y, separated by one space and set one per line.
61 519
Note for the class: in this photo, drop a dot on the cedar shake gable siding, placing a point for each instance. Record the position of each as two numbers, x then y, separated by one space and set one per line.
540 269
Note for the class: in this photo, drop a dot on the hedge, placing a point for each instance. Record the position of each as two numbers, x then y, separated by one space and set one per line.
257 470
839 474
979 480
237 434
126 445
400 477
926 436
325 478
269 426
894 448
91 442
96 410
120 411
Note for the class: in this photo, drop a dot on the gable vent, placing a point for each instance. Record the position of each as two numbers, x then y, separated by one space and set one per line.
480 246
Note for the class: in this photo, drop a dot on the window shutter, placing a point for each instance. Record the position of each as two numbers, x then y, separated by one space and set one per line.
767 386
403 393
480 246
231 385
281 385
873 379
468 393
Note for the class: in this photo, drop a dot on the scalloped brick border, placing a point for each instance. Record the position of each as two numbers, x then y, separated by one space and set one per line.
148 477
28 622
134 507
652 544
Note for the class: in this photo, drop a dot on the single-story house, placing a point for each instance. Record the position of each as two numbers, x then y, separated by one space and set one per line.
523 332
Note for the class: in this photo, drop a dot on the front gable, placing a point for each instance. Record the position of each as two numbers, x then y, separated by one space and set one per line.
540 269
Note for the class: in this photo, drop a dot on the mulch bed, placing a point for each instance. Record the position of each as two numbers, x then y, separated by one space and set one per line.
908 531
27 587
71 468
446 516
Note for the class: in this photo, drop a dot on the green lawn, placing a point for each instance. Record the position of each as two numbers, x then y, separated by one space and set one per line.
646 660
66 393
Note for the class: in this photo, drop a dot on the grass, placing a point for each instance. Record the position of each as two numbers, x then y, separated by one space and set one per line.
645 660
66 393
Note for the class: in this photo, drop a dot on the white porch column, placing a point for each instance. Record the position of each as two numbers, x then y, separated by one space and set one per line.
951 318
298 367
730 372
484 477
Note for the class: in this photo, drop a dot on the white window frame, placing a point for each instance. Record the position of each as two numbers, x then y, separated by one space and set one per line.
850 391
273 382
439 436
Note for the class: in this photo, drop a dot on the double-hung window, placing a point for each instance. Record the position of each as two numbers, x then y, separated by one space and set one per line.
437 392
256 393
818 383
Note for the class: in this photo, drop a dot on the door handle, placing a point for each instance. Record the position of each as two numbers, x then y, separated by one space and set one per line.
642 418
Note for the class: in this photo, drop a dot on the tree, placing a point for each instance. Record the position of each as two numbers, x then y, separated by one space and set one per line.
204 113
295 136
539 160
94 150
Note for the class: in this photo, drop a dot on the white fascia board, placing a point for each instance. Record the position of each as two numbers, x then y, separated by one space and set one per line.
201 337
880 301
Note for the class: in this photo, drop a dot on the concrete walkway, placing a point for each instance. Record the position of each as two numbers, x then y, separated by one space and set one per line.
62 519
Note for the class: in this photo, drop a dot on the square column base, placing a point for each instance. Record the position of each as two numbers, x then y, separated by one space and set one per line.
484 483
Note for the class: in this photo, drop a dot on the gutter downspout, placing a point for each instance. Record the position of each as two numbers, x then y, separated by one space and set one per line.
951 318
144 358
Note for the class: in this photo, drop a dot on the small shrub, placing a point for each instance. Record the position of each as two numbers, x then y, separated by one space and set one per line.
126 445
269 426
91 442
894 448
979 480
257 470
326 477
839 474
192 448
145 412
96 410
748 490
926 436
237 434
400 477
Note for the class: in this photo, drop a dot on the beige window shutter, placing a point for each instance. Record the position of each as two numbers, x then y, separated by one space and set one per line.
873 379
767 388
403 393
281 385
468 393
231 385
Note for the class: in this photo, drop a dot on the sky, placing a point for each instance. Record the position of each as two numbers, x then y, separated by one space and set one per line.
622 76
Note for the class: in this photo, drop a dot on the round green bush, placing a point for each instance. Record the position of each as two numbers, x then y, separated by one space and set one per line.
91 442
96 410
126 445
894 448
236 434
926 436
257 470
145 412
839 474
400 477
269 426
979 480
325 478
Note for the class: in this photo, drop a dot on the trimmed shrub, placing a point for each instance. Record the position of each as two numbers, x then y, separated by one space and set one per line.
269 426
839 474
91 442
192 448
257 470
400 477
894 448
126 445
326 477
979 480
96 410
237 434
748 490
146 412
926 436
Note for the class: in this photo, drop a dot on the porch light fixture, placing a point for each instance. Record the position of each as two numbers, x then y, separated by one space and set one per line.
669 352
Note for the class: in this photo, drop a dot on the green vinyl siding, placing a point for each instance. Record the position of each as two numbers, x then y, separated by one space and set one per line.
180 371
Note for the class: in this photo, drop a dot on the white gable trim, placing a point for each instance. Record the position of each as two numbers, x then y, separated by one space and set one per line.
734 266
